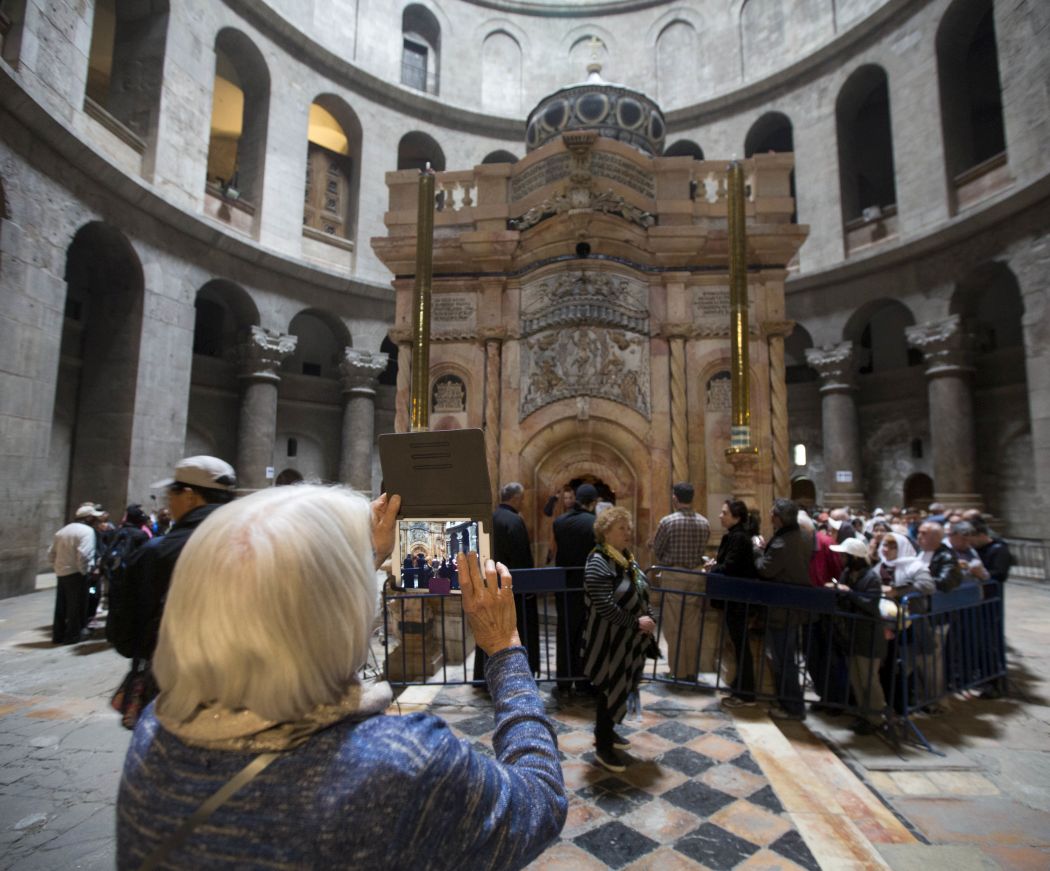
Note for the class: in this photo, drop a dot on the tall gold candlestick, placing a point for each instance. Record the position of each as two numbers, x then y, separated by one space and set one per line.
740 433
420 400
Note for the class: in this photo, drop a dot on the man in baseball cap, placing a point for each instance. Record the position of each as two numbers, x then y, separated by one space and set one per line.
73 555
199 486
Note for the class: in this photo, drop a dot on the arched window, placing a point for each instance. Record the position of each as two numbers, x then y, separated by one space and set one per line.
416 150
971 94
865 140
126 62
224 313
989 302
677 65
796 369
322 338
501 74
877 330
12 19
773 132
499 157
420 49
240 106
333 143
684 148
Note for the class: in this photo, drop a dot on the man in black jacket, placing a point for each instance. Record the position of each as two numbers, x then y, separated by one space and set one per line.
574 540
929 644
785 560
510 546
200 486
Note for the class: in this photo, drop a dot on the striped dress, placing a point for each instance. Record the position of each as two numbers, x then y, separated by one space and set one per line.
614 648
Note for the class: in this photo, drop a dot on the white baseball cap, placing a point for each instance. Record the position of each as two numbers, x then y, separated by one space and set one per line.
208 473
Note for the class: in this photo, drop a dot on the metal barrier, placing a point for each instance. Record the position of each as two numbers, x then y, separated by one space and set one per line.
755 639
1030 559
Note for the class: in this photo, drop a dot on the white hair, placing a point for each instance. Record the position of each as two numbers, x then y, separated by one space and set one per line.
271 604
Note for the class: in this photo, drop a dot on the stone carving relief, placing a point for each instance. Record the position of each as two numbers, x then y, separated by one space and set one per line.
719 398
585 361
577 297
448 395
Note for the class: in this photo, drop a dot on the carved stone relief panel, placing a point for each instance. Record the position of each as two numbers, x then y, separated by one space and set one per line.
579 297
585 361
449 395
711 311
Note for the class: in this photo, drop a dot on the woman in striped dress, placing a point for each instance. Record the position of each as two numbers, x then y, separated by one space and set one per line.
619 630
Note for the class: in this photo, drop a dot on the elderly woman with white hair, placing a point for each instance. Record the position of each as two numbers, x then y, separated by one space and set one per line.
265 749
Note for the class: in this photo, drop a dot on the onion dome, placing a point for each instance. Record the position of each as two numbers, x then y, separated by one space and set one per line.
613 111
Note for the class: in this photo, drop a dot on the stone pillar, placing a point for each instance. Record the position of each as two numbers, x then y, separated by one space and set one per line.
404 387
260 358
358 373
679 410
949 383
778 406
493 410
841 431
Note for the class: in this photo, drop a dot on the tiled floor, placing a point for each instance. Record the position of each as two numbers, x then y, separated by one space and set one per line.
693 796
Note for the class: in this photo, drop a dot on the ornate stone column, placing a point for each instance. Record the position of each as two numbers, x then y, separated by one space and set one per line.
949 375
260 358
776 332
841 431
358 372
493 410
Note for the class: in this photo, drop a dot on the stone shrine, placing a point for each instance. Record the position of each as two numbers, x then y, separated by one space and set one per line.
580 309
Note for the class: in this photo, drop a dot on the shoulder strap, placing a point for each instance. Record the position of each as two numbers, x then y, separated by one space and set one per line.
241 779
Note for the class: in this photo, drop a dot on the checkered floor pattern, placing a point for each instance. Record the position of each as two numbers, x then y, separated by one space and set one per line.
693 796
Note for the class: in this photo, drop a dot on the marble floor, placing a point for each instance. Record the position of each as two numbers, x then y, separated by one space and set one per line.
706 789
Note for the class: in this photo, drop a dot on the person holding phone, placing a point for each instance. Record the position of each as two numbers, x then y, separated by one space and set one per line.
266 748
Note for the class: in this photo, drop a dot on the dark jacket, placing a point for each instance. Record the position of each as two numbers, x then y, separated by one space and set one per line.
148 577
510 539
736 554
574 539
996 558
944 569
785 560
862 635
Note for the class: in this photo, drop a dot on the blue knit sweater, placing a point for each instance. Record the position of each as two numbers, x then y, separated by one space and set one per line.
384 792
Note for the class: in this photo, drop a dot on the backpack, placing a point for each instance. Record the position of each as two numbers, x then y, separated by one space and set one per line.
114 566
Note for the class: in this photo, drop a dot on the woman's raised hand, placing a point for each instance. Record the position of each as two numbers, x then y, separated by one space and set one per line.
489 605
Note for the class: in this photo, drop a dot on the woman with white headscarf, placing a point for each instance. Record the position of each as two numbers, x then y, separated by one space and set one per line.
901 568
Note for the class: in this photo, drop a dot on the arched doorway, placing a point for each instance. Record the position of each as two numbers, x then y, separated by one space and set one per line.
803 492
918 490
91 433
288 476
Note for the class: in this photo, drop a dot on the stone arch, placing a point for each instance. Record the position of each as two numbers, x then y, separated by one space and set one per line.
416 149
578 52
310 461
333 174
501 74
803 492
605 449
877 332
970 88
420 49
287 477
684 148
797 370
322 338
11 38
918 490
989 301
240 111
126 62
773 132
677 64
97 379
444 417
224 312
499 156
865 142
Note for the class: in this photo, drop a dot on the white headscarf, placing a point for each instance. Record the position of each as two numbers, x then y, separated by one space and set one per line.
908 568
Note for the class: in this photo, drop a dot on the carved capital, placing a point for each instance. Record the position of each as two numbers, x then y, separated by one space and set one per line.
947 347
262 354
359 370
836 365
777 328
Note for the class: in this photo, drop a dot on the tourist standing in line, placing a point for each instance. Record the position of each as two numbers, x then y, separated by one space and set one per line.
574 540
73 554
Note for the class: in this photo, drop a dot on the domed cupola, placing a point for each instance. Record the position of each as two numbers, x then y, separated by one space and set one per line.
612 111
